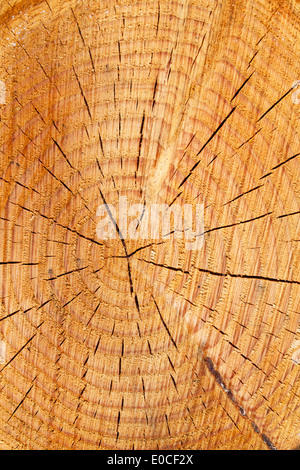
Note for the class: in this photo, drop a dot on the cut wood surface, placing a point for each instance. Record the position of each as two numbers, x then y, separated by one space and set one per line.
142 343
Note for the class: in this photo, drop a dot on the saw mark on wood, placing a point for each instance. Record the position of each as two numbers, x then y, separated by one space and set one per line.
219 380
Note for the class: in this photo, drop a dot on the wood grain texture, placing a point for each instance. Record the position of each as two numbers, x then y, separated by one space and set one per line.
141 344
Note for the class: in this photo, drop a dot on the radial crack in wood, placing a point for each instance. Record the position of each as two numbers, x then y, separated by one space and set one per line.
149 217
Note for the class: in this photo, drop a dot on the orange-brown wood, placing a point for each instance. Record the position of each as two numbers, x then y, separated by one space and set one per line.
143 344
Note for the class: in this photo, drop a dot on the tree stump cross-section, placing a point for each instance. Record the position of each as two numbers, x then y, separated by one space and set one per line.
141 342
